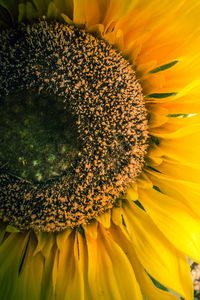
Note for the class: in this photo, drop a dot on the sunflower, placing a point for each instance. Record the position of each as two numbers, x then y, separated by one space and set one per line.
114 206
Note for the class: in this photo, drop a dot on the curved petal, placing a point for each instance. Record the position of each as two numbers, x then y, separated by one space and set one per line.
71 279
157 256
149 290
186 191
111 275
176 221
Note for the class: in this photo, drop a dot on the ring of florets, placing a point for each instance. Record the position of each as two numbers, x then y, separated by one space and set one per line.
106 100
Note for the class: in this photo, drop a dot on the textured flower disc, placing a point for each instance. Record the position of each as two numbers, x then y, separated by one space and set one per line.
66 157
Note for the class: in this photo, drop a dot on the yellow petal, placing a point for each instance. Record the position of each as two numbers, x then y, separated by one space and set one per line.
185 191
41 5
52 11
65 267
109 271
187 100
104 219
177 170
48 281
183 146
176 221
79 13
91 229
27 11
62 237
95 12
148 289
118 219
45 243
15 244
158 257
78 284
71 281
180 133
30 272
65 7
158 115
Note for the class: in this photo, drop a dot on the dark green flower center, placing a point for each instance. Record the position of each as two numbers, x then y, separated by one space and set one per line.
90 137
38 136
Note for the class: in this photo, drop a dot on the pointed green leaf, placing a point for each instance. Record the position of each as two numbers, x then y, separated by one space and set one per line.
177 115
160 95
164 67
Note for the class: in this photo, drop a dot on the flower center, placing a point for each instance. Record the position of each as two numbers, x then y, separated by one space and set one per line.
39 136
74 126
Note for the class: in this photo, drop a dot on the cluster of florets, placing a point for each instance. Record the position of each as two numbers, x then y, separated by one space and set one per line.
106 100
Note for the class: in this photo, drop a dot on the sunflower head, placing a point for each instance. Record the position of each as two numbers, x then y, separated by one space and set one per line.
99 160
100 125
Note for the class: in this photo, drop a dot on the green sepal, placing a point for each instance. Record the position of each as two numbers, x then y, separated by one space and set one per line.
153 169
123 221
177 115
157 188
155 140
81 230
160 95
164 67
139 204
158 284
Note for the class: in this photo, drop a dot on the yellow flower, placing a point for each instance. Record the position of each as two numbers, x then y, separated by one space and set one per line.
148 232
